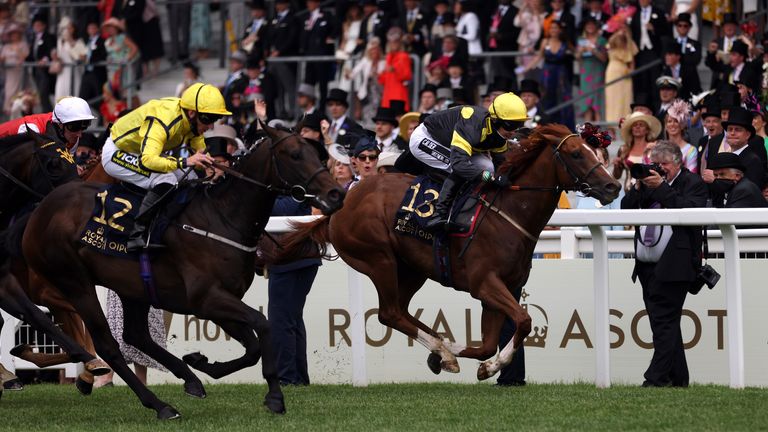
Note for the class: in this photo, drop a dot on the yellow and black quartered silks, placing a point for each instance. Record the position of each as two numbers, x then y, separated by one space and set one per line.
466 127
156 127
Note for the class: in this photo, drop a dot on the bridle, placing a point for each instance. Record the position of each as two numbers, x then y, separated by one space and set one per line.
298 192
579 184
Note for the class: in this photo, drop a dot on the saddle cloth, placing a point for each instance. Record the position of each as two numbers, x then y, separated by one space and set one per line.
112 220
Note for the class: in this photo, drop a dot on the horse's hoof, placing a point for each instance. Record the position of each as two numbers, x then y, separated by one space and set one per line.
97 367
275 403
433 361
451 366
168 413
195 359
13 385
483 373
195 389
19 350
84 387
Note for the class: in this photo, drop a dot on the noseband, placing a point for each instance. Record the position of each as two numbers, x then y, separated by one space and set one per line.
579 184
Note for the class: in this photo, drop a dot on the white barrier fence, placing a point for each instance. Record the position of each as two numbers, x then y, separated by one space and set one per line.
354 339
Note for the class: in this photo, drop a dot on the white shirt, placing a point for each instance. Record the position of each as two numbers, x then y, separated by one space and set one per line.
645 18
468 28
335 127
531 115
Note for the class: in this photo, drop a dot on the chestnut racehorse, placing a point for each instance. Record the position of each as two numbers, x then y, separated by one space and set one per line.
496 262
205 269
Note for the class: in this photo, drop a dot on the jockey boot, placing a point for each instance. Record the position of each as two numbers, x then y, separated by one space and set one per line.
443 207
147 212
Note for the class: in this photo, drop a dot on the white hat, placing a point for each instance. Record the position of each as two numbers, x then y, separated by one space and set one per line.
338 152
387 159
69 109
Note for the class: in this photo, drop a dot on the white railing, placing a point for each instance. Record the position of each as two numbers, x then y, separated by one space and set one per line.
573 241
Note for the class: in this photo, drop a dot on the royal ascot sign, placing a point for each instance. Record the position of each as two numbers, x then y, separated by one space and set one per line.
559 298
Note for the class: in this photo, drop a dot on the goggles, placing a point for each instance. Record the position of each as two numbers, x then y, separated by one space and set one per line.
207 119
509 125
77 126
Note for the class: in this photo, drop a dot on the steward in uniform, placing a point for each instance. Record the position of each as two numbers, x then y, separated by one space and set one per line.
464 141
136 150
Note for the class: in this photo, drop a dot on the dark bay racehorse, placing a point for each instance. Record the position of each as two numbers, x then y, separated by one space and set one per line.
194 274
496 263
31 166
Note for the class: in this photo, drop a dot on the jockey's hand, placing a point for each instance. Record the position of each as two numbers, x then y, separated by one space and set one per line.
500 180
199 160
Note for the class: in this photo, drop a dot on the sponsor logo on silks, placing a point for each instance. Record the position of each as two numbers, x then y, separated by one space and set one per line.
67 156
129 161
437 151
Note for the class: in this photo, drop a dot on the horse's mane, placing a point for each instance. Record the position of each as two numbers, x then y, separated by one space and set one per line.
10 142
517 161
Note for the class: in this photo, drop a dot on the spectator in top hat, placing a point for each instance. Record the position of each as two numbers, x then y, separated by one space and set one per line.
41 45
686 9
739 131
649 25
237 75
723 73
427 99
217 149
724 44
340 123
306 99
254 38
443 24
729 99
398 108
416 26
642 104
375 23
673 67
531 95
318 39
387 137
690 48
730 188
711 139
310 126
94 76
749 84
459 79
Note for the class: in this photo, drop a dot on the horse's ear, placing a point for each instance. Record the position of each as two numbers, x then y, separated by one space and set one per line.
271 132
36 137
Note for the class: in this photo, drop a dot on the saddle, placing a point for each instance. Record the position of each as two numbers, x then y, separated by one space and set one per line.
114 214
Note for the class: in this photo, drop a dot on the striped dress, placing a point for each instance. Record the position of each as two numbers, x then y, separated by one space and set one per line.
690 158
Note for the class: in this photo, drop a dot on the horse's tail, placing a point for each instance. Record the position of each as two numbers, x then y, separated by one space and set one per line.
307 240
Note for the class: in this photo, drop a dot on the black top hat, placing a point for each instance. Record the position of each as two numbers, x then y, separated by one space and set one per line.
217 146
88 139
750 78
671 46
740 47
338 95
684 17
730 18
368 3
397 106
642 99
312 121
385 115
455 61
530 86
713 109
500 84
725 160
729 99
41 16
428 88
257 4
740 117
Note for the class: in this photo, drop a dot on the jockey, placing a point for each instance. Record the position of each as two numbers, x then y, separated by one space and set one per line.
69 118
135 150
464 141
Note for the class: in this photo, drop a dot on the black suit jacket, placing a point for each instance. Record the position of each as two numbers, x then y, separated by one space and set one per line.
283 35
315 41
381 24
692 54
96 54
661 28
755 167
506 37
681 258
419 31
744 194
42 49
261 35
689 76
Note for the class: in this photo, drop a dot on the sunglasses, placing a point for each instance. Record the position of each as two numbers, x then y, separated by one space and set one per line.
77 126
208 118
368 158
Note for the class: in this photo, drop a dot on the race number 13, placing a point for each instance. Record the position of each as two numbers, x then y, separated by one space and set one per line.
429 195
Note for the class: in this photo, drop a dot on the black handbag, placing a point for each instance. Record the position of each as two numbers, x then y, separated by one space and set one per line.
706 275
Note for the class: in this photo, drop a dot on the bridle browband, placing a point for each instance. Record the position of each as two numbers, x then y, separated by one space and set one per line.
297 192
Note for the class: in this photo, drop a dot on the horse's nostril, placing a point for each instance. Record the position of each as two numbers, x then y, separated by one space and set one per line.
334 195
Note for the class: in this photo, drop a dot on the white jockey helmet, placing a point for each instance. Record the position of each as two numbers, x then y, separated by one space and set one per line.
71 109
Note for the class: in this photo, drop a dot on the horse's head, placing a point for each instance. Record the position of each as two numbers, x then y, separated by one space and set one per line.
298 167
577 165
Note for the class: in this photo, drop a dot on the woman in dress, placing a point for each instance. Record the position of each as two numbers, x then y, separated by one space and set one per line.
621 61
350 33
675 126
120 50
592 58
12 54
70 49
558 64
639 132
397 71
529 20
200 29
365 76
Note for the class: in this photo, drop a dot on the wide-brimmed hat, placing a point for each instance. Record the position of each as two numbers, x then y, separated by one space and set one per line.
338 95
406 120
653 124
114 22
224 131
530 86
739 116
385 115
338 152
725 160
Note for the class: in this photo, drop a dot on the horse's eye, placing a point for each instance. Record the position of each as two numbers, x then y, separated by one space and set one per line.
576 154
296 155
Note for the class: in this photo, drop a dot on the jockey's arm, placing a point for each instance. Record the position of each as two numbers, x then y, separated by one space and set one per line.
152 147
462 166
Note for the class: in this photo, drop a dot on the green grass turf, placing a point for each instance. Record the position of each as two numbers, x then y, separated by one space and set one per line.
395 407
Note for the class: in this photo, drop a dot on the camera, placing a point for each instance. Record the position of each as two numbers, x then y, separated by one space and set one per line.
707 276
641 171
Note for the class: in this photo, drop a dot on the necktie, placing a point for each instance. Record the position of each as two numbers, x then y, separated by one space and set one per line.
681 41
649 238
728 45
333 129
